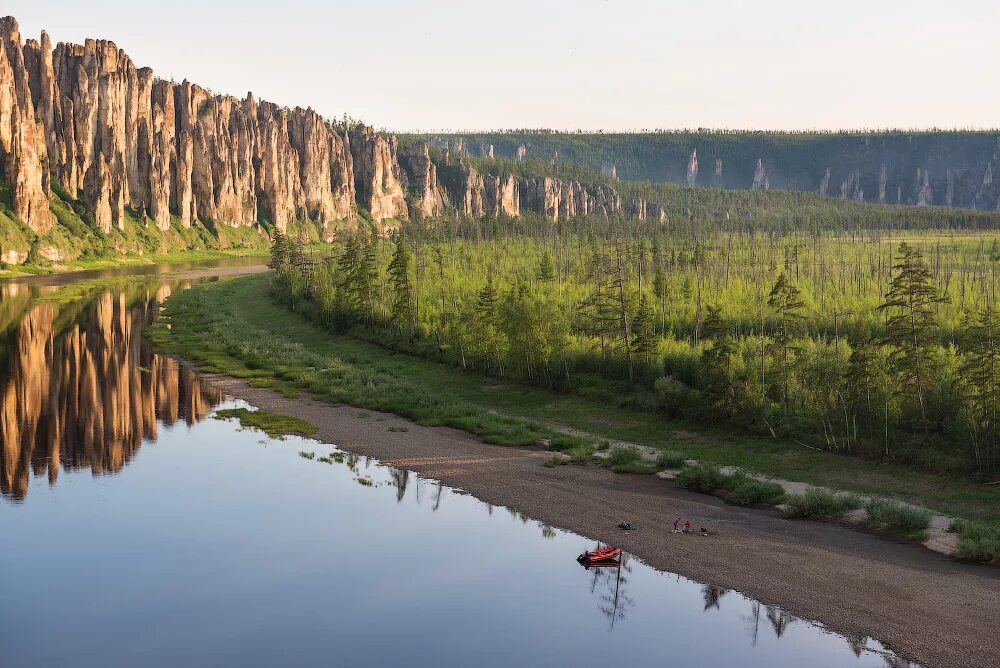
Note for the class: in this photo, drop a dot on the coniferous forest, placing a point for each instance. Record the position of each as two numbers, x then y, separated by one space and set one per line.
881 345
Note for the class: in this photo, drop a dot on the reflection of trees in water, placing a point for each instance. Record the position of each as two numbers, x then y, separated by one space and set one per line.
548 532
780 620
712 595
753 622
437 497
610 586
401 477
82 388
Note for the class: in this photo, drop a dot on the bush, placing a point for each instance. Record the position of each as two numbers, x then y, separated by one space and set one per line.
978 541
633 467
750 491
701 478
886 515
821 503
670 459
622 455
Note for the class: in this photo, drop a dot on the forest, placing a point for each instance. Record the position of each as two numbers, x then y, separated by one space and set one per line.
877 344
958 164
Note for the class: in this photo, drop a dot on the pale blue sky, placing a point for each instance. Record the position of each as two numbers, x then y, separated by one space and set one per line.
619 64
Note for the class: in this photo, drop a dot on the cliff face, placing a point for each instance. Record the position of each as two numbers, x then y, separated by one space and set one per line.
377 174
86 118
421 176
23 153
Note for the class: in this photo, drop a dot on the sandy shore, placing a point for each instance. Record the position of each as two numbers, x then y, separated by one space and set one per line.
924 606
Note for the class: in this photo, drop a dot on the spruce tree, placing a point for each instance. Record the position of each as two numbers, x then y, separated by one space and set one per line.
980 370
546 268
786 302
910 328
402 287
644 340
716 358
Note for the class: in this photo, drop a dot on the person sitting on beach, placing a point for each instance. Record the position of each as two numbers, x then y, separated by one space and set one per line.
677 521
704 531
687 526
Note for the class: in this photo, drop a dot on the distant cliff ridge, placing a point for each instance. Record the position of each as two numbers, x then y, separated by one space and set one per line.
895 167
97 155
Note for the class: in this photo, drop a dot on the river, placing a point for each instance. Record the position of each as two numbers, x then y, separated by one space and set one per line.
140 530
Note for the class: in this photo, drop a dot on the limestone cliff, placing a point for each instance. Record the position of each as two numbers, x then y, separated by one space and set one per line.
377 174
421 175
84 117
23 153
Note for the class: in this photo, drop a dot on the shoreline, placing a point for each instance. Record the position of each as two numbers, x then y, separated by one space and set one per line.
854 583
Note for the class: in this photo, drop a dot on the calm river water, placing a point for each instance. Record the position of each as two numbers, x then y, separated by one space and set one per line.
139 531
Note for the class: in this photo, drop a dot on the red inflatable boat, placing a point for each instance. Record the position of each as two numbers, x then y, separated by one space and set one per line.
595 556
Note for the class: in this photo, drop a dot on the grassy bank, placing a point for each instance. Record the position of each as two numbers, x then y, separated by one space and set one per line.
233 327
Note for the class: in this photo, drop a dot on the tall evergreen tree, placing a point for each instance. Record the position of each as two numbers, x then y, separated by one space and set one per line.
786 303
716 358
911 327
981 371
644 340
402 311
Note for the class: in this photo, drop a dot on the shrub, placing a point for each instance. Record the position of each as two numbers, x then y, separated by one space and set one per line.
670 459
701 478
886 515
978 541
622 455
750 491
821 503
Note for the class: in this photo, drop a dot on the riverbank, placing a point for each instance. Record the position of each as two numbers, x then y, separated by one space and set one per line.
856 584
233 327
129 261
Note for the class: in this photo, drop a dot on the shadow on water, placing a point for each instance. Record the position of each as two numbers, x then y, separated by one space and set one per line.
80 390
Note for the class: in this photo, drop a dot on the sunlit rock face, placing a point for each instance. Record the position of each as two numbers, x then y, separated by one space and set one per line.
86 397
422 180
23 151
377 174
84 117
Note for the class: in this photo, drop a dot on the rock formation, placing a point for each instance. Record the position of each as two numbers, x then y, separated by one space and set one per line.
23 152
692 170
377 174
609 170
824 184
760 181
501 196
422 179
883 182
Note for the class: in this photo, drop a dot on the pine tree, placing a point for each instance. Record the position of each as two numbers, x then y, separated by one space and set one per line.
716 358
486 326
644 340
402 311
910 328
981 371
279 252
546 268
786 302
660 290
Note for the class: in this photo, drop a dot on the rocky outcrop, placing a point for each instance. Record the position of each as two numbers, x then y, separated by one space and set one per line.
924 194
883 182
421 176
23 152
824 184
377 175
465 188
609 170
501 196
760 181
692 169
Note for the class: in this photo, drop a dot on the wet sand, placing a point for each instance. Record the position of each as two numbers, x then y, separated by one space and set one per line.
926 607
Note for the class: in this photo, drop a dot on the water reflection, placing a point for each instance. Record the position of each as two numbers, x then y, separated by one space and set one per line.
81 388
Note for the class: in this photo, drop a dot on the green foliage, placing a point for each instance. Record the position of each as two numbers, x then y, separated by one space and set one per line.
702 478
670 459
273 424
821 504
744 490
898 518
624 454
978 541
752 492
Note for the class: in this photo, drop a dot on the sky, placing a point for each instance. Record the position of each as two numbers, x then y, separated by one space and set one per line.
568 64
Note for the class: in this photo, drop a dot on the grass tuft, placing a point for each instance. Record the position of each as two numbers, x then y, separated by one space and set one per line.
897 518
274 424
821 504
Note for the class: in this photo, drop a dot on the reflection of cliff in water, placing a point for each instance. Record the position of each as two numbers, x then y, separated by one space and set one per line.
84 394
